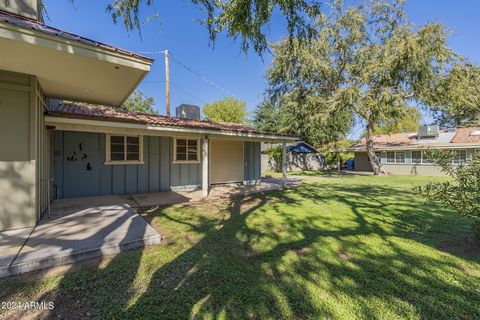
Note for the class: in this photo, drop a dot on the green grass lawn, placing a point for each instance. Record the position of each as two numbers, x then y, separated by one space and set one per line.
337 247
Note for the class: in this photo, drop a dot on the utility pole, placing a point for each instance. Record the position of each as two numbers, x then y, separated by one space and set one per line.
167 85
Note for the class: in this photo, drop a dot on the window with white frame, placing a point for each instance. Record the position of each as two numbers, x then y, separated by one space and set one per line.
395 156
390 156
400 156
416 156
460 157
186 150
425 159
124 149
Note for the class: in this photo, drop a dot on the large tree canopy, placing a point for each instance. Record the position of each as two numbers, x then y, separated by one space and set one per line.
229 109
139 102
408 123
304 114
243 19
456 97
367 60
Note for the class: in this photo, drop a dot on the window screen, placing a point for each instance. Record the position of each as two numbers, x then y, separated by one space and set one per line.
399 156
186 150
125 148
133 149
416 156
390 157
425 158
460 157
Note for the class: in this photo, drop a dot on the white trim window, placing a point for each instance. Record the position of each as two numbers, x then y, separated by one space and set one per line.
425 159
399 156
390 156
186 150
416 156
420 157
394 157
460 157
122 149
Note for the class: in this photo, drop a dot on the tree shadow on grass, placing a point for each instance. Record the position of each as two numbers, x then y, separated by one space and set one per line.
224 275
368 254
401 212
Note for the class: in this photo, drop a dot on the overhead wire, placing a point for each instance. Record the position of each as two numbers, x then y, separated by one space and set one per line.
212 83
196 73
179 88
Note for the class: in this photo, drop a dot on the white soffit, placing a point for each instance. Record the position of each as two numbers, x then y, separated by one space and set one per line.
69 69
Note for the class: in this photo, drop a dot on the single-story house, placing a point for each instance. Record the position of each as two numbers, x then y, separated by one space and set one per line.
300 156
405 153
53 149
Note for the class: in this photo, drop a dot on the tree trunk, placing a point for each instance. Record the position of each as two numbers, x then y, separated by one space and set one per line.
372 157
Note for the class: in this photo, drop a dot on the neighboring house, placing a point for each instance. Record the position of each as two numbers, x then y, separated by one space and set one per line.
404 153
59 150
301 156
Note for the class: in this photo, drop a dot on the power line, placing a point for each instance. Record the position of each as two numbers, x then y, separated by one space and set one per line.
212 83
219 87
179 88
186 92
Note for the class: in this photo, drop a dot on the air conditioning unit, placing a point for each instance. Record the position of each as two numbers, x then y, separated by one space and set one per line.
428 131
188 111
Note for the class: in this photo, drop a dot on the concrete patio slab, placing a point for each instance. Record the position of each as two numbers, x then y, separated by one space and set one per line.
77 234
165 198
216 192
11 242
61 207
233 190
89 227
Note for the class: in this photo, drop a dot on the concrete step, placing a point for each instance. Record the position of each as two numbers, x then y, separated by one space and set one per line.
73 257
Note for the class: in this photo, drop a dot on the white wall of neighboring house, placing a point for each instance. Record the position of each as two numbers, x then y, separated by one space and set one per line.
403 164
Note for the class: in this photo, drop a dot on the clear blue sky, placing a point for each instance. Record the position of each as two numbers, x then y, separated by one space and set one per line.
176 29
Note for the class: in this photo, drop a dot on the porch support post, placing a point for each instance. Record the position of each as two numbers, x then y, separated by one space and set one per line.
284 163
205 165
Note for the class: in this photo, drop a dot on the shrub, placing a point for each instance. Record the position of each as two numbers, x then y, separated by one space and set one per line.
462 193
275 158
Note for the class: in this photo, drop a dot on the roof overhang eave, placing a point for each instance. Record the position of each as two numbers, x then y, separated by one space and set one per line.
30 36
70 69
121 127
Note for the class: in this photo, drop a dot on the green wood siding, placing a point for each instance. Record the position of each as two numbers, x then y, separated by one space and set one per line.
75 177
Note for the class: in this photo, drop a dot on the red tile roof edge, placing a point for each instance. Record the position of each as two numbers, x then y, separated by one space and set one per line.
33 24
89 112
462 136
